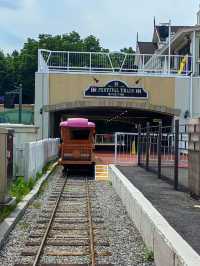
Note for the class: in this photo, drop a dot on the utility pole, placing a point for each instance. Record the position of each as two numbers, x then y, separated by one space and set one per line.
169 50
20 103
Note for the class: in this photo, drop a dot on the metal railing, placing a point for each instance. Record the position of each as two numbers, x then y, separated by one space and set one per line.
105 139
126 148
68 61
164 150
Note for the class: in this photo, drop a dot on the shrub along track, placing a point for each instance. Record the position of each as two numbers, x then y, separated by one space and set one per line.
69 230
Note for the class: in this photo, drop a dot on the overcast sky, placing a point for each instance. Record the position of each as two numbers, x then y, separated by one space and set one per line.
114 22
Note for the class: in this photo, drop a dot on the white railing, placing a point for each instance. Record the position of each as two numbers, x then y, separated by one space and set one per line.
51 61
37 154
126 148
104 139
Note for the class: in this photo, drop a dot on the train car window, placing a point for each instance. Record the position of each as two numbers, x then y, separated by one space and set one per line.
82 134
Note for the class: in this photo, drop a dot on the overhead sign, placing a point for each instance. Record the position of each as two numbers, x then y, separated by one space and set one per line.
116 89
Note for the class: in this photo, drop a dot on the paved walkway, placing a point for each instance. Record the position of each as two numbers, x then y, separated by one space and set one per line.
109 158
181 211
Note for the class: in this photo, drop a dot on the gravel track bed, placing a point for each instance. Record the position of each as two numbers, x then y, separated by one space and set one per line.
126 244
10 253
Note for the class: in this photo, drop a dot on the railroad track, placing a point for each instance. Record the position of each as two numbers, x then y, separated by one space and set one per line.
69 230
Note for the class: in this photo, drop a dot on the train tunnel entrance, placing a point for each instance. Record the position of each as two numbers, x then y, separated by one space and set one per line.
109 120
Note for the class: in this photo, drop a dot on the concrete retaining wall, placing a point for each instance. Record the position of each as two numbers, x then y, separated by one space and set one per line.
182 175
37 154
169 248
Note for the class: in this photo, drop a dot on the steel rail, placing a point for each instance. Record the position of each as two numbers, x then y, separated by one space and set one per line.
89 239
37 258
92 249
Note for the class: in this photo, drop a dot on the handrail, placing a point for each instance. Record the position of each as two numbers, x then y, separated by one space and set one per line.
74 61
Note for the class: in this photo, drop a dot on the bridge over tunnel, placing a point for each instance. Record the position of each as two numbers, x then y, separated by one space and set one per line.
116 99
116 102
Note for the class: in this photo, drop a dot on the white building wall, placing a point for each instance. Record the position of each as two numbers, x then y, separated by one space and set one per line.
182 96
41 99
185 90
182 100
196 97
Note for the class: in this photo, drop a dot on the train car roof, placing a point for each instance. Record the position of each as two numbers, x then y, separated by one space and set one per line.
77 122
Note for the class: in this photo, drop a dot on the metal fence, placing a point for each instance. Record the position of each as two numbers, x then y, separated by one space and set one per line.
50 61
104 140
164 150
12 116
126 148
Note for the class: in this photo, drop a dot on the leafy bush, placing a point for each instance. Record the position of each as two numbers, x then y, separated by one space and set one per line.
148 255
19 188
31 183
47 167
110 183
38 175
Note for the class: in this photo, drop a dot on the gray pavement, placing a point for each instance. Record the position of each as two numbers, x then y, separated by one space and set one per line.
179 209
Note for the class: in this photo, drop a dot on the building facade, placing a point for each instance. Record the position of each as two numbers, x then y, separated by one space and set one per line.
159 82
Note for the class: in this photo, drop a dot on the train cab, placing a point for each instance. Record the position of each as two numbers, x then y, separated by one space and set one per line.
77 143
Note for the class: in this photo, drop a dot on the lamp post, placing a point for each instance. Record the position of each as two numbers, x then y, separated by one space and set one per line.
20 103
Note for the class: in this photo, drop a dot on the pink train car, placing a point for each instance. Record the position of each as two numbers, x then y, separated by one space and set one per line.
77 143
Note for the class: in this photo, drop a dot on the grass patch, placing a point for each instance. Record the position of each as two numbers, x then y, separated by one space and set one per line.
148 255
20 188
24 226
5 211
110 183
43 188
38 176
47 167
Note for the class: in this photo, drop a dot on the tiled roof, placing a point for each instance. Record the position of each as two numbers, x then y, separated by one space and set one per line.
163 31
147 47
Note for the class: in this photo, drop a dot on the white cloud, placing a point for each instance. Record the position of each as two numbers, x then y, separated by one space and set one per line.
115 22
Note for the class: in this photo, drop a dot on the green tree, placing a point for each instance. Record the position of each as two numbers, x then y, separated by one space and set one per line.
92 44
128 50
25 68
6 73
20 66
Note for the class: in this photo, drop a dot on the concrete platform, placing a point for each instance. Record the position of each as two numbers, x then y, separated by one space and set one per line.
150 203
103 157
